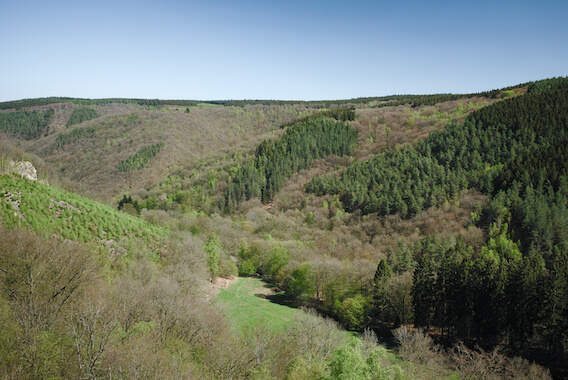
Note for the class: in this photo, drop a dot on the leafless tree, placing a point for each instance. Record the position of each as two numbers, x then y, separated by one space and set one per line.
130 297
39 278
90 325
314 336
415 346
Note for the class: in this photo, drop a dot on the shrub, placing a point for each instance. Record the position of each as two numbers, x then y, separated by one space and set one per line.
353 312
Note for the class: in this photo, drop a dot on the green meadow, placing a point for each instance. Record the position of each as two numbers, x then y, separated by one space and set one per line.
246 304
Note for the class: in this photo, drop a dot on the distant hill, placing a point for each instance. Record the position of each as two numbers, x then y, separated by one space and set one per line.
88 152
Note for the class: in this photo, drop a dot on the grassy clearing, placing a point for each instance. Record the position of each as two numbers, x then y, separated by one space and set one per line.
245 303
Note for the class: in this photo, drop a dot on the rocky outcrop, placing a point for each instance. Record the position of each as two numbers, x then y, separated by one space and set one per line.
24 169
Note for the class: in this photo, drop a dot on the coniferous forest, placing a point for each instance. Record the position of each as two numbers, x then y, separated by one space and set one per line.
515 152
398 237
276 160
26 124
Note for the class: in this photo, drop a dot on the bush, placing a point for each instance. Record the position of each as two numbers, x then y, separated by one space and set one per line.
227 267
302 285
278 257
353 312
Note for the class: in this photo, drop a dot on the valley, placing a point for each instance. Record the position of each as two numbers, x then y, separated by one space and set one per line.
434 225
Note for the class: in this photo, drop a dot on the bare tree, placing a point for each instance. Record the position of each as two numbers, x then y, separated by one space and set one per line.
90 326
480 364
130 296
39 278
415 346
314 336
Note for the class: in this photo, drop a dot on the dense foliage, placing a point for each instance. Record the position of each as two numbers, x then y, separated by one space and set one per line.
548 84
82 114
525 157
26 124
497 146
139 159
276 160
515 152
72 136
397 181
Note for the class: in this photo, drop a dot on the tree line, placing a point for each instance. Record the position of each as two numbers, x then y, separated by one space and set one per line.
26 124
139 159
386 101
277 160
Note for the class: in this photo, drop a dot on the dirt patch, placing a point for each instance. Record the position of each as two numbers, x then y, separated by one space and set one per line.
218 284
224 282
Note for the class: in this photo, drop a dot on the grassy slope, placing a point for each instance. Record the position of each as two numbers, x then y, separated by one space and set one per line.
53 211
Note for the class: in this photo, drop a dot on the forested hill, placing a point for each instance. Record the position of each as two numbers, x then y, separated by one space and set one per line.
520 140
275 161
415 220
515 152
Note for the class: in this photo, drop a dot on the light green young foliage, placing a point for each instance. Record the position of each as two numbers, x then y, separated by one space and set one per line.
278 257
302 284
213 247
353 312
354 363
249 257
500 246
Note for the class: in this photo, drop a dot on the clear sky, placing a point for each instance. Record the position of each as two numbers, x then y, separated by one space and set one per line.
297 50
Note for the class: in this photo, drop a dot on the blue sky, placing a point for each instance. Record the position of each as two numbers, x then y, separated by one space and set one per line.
300 50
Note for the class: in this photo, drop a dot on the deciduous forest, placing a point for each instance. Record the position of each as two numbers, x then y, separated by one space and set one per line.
401 237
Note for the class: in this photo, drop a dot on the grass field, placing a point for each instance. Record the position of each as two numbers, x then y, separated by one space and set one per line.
245 303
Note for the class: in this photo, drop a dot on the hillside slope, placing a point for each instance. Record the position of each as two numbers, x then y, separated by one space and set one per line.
421 196
88 152
53 212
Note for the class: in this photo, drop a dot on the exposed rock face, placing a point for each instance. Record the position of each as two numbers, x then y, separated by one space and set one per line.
25 169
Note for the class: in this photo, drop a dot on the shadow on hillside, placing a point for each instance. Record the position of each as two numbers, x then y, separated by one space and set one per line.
281 299
274 294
